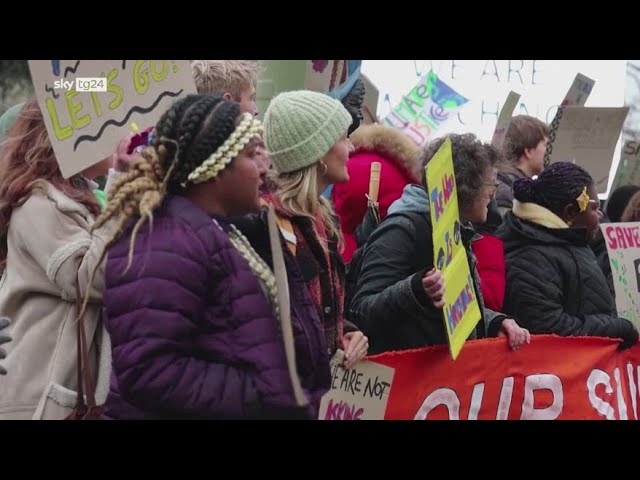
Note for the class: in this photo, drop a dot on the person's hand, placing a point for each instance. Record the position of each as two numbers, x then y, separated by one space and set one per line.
129 149
122 159
516 335
4 338
628 333
433 285
355 346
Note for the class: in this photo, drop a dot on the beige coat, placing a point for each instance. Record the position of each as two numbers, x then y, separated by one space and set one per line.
49 247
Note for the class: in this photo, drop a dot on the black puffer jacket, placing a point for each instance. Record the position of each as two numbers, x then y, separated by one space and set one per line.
554 283
390 305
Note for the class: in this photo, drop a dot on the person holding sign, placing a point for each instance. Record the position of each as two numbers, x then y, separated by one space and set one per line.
554 284
525 144
193 311
47 251
400 293
307 140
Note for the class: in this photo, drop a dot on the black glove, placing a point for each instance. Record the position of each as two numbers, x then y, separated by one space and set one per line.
4 338
627 331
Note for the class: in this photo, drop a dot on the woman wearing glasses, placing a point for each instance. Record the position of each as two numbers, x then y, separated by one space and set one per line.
554 283
488 249
400 293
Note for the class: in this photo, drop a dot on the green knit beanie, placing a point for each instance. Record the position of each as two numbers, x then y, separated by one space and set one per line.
300 127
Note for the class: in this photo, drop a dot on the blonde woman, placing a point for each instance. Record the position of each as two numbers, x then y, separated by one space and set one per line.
306 139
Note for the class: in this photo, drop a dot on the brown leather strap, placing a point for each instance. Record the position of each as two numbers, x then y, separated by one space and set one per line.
80 399
84 367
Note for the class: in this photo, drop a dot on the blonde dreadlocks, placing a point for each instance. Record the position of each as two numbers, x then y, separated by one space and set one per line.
189 133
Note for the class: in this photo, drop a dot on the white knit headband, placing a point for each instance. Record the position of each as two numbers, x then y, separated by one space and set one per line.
248 129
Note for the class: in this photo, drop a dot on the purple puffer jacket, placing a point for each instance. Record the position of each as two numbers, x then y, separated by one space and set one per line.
193 334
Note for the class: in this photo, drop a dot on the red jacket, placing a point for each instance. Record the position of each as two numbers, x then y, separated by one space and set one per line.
400 165
489 252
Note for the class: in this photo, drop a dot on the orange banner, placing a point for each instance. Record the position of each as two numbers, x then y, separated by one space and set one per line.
576 378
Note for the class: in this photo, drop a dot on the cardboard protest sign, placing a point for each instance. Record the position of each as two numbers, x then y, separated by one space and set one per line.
628 170
577 96
461 312
588 137
579 91
623 246
89 105
425 109
360 393
504 118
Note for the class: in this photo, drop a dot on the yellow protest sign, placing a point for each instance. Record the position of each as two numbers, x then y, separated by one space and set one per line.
461 312
89 105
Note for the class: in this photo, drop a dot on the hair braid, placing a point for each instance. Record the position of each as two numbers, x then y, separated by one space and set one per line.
220 123
184 137
168 123
192 120
140 195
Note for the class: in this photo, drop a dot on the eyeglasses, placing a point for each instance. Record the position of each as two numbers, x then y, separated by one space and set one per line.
493 186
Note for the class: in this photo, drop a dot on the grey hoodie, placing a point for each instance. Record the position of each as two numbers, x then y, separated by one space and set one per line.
414 199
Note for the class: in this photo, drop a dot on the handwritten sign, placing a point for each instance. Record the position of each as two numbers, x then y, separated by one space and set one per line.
579 91
588 137
425 109
623 246
85 127
543 85
628 170
360 393
504 119
577 96
461 311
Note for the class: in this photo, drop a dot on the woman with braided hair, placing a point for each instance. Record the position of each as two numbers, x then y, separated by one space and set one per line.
554 283
191 308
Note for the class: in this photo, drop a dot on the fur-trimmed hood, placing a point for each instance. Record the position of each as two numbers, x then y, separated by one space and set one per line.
399 158
390 143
